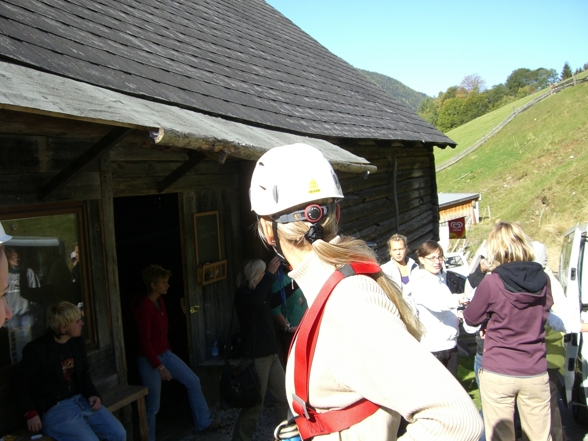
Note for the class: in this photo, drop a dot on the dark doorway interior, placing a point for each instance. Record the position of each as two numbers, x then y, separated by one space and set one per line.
148 232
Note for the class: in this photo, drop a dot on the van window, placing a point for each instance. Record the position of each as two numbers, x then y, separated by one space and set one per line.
566 254
583 271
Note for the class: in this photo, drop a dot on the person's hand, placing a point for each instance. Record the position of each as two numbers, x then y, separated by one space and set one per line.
463 300
483 333
34 424
484 267
293 329
273 265
460 315
94 402
165 374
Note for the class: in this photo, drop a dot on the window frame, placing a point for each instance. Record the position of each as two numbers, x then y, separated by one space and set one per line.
79 210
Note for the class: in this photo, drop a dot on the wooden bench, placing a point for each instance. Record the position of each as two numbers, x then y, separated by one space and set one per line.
209 372
113 399
218 362
121 395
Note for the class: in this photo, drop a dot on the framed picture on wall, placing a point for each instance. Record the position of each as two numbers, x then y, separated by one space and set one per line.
210 267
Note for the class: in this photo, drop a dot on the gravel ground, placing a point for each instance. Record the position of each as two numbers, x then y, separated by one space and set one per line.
266 425
263 432
573 431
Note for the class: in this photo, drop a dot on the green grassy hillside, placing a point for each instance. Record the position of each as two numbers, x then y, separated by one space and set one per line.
534 171
409 97
469 133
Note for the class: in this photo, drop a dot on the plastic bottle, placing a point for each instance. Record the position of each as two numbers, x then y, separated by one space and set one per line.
215 350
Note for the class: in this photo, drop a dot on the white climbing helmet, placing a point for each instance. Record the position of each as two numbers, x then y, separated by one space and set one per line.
289 176
3 236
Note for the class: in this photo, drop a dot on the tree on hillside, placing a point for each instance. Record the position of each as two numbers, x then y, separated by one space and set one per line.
473 83
461 104
402 93
517 79
533 80
451 92
450 114
543 78
498 96
473 106
428 110
566 72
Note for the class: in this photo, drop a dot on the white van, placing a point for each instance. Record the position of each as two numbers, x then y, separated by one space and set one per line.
573 276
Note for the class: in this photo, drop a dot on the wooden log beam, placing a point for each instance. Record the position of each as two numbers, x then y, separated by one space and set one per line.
194 158
102 146
109 241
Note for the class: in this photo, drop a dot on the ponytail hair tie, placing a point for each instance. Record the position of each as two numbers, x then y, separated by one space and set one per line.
314 233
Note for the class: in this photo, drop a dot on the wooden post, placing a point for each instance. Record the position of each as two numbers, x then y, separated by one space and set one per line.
395 192
107 210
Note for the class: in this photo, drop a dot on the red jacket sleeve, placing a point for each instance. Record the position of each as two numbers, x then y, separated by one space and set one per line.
151 329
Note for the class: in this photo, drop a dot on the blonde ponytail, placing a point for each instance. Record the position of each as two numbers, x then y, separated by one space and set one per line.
347 250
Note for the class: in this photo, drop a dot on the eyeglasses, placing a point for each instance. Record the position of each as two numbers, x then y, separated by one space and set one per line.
434 258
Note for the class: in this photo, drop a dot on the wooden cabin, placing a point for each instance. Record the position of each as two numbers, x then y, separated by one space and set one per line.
461 207
130 129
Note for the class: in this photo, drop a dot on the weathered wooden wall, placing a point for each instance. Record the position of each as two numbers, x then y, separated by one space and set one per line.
33 149
401 197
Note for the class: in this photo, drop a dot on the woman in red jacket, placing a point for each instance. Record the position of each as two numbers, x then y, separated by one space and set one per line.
156 361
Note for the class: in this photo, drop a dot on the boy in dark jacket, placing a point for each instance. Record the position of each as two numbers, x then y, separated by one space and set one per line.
56 394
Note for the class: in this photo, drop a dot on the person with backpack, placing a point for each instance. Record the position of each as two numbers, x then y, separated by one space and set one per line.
356 366
254 301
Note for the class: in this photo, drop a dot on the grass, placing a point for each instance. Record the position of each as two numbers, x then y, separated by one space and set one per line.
533 172
469 133
465 375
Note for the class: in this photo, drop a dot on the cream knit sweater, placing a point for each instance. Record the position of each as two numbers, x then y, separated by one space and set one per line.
364 350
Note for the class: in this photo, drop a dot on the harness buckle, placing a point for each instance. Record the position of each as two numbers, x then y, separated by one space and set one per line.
300 405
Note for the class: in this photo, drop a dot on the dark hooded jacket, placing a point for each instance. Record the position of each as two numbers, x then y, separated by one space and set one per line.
516 298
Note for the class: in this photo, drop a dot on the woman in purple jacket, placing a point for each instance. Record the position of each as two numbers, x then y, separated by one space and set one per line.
516 298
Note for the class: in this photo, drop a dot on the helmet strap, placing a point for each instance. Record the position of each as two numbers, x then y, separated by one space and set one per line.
277 246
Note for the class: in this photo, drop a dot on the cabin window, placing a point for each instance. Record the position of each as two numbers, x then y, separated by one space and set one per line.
48 263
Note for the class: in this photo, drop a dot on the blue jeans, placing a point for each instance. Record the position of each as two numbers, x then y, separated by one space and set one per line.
477 367
180 371
74 420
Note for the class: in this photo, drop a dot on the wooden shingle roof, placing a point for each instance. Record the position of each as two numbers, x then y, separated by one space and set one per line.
240 60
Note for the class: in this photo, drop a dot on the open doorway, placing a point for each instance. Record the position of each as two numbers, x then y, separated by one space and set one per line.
148 232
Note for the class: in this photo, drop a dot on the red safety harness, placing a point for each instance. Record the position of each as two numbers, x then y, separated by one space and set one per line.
310 422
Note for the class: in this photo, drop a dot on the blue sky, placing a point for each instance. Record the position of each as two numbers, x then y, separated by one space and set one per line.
430 45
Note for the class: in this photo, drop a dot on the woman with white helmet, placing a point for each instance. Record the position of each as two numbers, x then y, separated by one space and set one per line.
365 355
